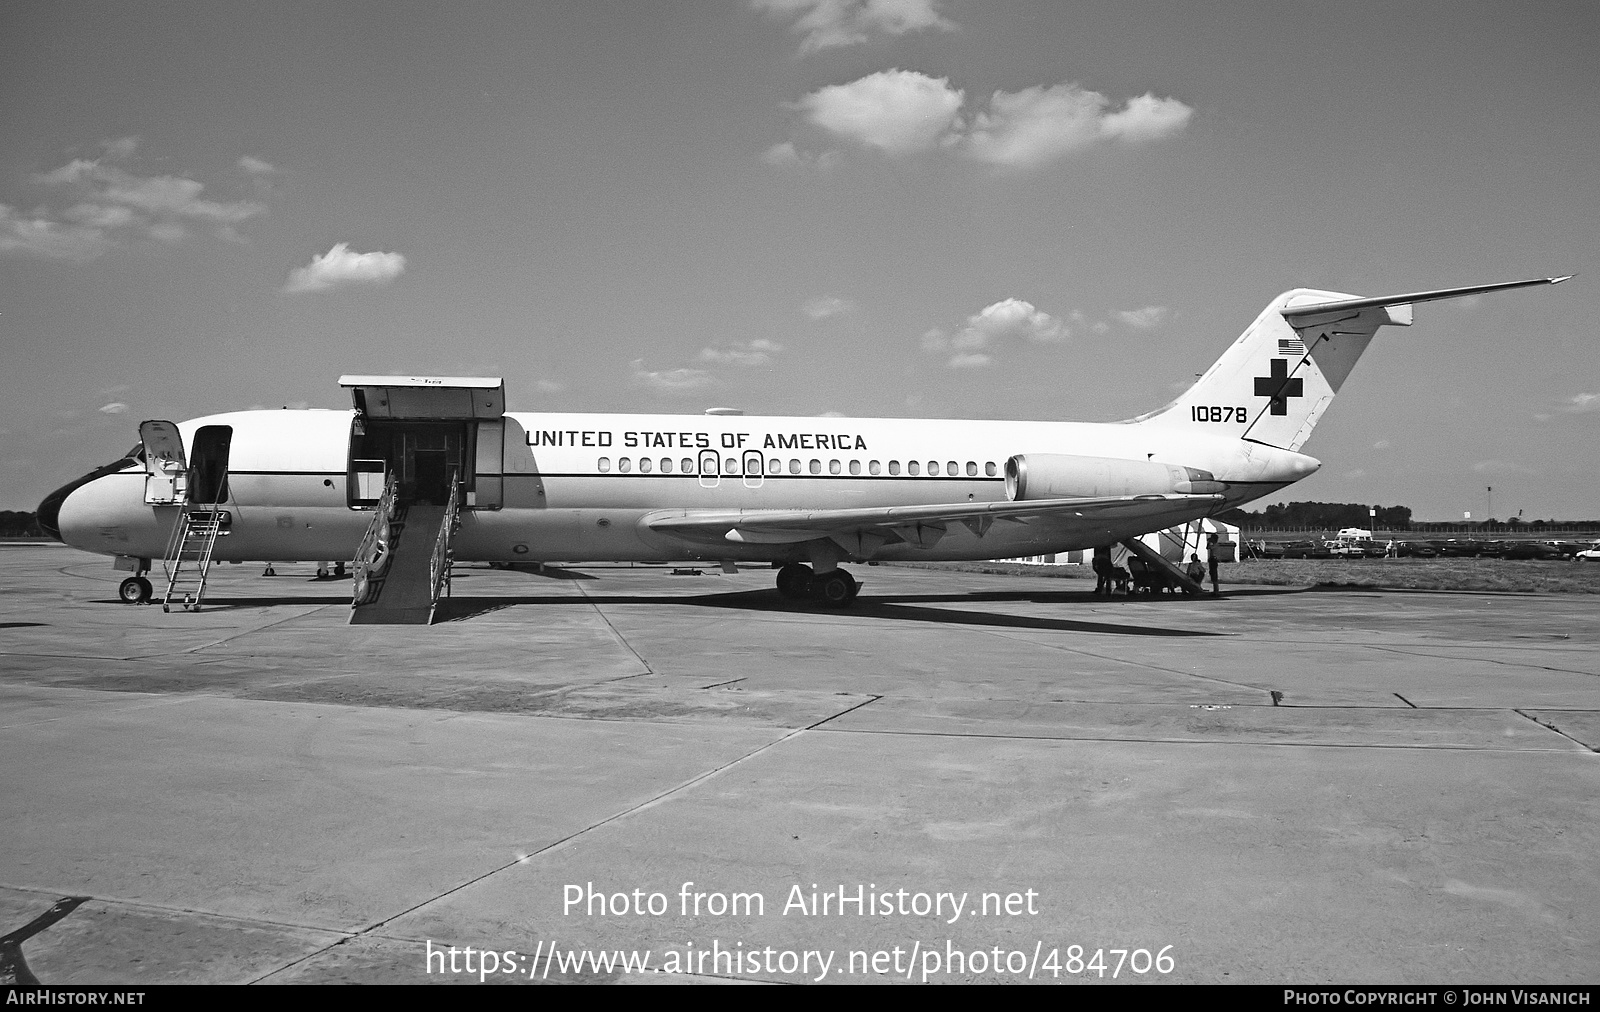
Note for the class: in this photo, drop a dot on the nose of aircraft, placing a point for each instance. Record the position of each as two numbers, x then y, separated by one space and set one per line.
49 511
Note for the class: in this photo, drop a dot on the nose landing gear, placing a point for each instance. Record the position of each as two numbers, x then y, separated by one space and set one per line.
835 589
135 590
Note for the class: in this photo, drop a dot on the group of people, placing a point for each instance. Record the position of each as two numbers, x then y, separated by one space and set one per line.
1141 575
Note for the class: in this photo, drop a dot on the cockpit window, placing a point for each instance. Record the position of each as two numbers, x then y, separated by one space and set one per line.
136 454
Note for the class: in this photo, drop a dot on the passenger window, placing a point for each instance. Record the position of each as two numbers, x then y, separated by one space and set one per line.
933 467
894 467
833 467
794 466
855 467
874 467
605 464
988 469
972 469
686 465
952 469
912 467
666 465
644 465
731 465
624 464
816 466
774 466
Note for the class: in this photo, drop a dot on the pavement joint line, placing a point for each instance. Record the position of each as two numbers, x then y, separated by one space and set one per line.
614 817
1196 741
256 629
164 699
1557 730
146 906
1122 660
1490 660
620 638
548 848
731 681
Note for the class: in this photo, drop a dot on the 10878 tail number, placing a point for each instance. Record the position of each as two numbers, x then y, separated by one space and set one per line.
1214 413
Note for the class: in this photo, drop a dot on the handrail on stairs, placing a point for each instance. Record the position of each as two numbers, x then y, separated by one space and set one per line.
372 556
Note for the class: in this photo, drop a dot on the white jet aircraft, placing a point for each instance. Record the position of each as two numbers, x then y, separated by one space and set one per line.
442 456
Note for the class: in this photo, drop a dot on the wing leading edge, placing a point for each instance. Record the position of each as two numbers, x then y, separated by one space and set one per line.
870 527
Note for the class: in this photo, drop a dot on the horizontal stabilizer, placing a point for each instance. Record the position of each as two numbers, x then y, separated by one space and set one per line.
1299 315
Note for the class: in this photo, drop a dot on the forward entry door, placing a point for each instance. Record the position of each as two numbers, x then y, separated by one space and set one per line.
166 481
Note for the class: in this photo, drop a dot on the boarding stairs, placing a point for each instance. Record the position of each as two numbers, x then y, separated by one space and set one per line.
188 558
1173 573
402 568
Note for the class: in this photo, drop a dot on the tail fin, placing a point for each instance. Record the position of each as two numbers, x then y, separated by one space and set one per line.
1273 384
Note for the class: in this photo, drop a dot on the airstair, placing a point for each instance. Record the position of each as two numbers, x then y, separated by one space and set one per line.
188 557
402 568
1174 573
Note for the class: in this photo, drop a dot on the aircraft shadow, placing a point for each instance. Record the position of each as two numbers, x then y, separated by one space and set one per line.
900 608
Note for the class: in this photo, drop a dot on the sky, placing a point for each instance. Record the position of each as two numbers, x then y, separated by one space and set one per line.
906 208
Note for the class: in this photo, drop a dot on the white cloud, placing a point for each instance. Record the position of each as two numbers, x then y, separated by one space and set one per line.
903 112
757 352
825 24
1357 473
1030 127
40 236
340 268
1148 318
100 204
825 306
1382 444
256 166
900 112
545 386
1583 403
787 156
114 408
672 381
1010 318
1006 320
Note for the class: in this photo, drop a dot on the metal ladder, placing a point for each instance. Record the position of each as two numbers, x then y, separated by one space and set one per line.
189 556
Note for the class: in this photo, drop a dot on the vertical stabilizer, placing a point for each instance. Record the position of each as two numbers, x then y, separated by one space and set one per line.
1274 383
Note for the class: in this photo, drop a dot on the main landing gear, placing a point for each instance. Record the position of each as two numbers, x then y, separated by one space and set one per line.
135 590
835 589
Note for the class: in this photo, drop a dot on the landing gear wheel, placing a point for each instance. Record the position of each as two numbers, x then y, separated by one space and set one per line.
836 589
135 590
794 581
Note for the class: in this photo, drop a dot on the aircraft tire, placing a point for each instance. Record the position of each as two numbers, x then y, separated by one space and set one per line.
135 590
836 589
794 581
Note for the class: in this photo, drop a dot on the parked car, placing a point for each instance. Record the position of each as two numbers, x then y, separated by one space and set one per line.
1416 550
1590 554
1530 550
1568 549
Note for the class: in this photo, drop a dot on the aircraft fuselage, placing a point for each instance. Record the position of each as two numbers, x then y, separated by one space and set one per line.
577 487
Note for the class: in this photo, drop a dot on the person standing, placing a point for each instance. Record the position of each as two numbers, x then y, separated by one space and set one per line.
1211 562
1102 571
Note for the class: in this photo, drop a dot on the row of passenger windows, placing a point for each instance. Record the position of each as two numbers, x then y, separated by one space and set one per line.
753 464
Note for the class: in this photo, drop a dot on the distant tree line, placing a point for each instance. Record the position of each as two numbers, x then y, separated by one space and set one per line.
1331 516
1328 515
17 524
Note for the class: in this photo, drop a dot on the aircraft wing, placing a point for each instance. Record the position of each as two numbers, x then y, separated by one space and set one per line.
920 525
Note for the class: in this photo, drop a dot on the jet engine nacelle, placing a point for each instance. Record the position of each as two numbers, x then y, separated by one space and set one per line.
1069 476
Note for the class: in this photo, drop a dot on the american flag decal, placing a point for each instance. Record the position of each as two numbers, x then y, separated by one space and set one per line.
1291 347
